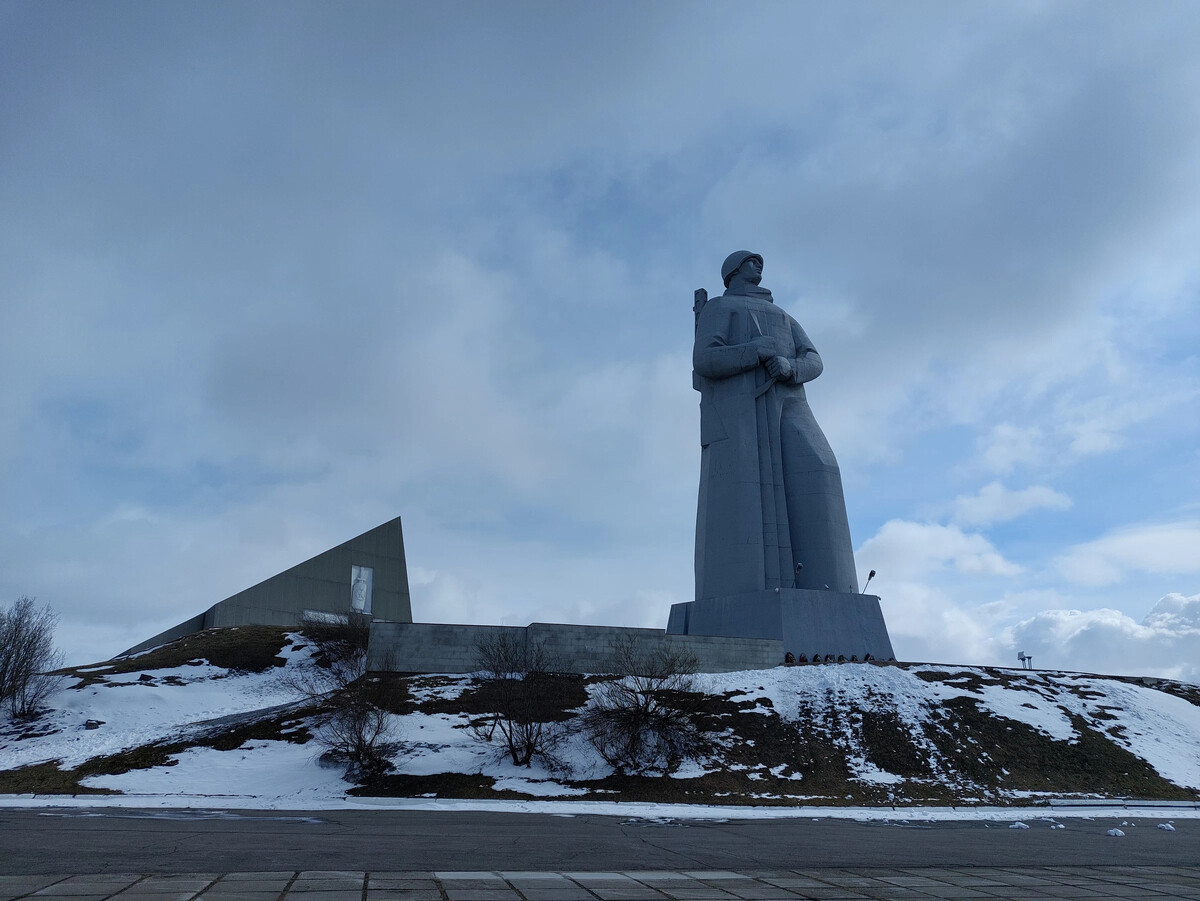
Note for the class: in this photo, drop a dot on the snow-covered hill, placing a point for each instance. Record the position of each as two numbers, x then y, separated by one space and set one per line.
199 720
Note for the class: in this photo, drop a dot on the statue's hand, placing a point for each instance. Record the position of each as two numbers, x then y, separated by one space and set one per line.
766 348
779 367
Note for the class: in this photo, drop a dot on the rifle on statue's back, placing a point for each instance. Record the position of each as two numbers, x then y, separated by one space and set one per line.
701 300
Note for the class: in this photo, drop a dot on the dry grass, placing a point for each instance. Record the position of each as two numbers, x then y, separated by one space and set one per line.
44 779
251 649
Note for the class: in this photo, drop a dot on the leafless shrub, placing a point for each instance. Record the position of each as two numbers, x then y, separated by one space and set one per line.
356 729
352 724
27 656
646 721
339 651
513 674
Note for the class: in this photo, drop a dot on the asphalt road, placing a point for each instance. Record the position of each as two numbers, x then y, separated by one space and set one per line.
100 840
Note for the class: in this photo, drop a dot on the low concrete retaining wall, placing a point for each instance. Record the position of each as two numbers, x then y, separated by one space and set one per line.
442 648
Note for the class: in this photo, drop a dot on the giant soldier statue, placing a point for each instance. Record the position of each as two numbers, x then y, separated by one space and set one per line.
771 513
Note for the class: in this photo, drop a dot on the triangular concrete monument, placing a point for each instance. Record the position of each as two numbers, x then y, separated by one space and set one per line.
367 573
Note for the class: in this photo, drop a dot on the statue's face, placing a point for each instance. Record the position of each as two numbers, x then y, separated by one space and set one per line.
750 270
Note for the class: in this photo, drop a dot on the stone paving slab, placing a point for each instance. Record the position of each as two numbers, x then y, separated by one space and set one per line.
70 889
894 884
414 881
242 886
10 885
310 882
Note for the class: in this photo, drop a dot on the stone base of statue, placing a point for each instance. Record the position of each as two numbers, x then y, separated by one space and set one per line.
821 625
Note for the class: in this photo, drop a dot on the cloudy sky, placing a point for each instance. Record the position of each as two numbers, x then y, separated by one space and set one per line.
274 273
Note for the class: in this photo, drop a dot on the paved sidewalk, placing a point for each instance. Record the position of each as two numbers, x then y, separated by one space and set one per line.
901 884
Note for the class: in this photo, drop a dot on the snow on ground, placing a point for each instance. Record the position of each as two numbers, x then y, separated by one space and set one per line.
438 743
627 809
135 712
1160 728
277 773
449 688
441 743
1044 714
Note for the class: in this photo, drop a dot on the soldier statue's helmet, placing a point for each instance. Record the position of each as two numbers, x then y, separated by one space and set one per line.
734 261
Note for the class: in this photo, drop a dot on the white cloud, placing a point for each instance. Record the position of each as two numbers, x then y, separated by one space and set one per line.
995 503
1175 612
1166 643
455 599
1101 425
905 550
1008 446
928 624
1157 548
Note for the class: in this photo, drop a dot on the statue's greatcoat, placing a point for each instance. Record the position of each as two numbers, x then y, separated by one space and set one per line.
770 488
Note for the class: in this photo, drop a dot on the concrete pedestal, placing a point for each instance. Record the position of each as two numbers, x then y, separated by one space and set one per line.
808 622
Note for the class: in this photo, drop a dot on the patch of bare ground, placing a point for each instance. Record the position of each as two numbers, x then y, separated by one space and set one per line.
978 678
558 697
45 779
1001 756
252 649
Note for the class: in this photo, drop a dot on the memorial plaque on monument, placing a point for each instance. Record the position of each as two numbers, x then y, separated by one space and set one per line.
773 552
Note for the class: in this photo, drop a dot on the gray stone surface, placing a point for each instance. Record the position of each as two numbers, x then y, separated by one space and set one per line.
928 882
321 583
99 840
807 622
442 648
770 488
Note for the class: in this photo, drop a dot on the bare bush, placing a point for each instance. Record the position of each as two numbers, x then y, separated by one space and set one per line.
339 645
646 721
27 656
514 675
352 724
356 729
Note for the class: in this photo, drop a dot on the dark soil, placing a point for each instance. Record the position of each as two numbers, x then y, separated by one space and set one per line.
999 754
45 779
252 649
550 699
